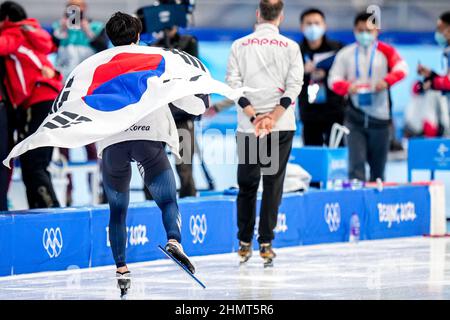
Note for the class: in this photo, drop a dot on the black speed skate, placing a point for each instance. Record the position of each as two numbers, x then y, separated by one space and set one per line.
123 282
176 250
266 252
245 251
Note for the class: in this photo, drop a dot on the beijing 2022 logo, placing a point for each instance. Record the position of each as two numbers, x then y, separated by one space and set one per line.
52 241
198 227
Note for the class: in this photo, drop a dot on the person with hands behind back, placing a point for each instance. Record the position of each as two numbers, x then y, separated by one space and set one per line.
272 63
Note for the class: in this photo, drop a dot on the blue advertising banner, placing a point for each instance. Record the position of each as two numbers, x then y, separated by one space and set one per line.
428 154
6 245
144 232
322 163
326 215
397 212
286 230
209 226
51 239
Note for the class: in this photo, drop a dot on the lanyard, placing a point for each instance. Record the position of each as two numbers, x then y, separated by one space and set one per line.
372 56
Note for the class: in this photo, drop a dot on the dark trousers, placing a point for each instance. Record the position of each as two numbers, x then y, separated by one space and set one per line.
158 177
367 145
317 133
4 150
268 156
184 166
34 163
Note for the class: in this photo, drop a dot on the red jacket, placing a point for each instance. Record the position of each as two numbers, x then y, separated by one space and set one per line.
25 46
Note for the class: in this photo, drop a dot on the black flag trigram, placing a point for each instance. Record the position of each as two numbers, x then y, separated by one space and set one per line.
65 120
62 96
191 60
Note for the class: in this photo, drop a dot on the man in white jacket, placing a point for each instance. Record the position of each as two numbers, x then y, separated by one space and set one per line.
272 63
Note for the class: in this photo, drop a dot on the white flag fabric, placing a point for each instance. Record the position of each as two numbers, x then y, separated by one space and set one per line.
114 89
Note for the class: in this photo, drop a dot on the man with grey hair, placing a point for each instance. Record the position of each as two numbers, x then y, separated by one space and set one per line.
268 61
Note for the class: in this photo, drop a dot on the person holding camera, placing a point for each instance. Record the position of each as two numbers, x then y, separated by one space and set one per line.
172 39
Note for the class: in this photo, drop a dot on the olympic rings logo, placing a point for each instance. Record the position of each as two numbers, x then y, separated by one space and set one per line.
52 241
198 227
333 216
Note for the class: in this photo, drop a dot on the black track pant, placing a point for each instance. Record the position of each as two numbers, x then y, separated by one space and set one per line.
4 149
267 156
34 163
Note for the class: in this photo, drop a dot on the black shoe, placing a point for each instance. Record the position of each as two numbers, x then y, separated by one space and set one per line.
176 250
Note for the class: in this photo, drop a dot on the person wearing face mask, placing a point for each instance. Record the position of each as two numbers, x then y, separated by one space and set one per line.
364 72
432 79
319 106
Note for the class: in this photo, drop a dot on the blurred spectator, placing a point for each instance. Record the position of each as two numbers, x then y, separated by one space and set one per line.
184 121
5 173
77 37
319 106
442 36
427 114
32 84
364 71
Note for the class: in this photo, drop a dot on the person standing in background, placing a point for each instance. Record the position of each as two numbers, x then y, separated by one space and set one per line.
184 121
77 38
319 106
32 84
432 79
5 142
364 71
264 59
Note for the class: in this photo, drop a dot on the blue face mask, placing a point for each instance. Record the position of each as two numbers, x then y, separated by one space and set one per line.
314 32
440 39
364 38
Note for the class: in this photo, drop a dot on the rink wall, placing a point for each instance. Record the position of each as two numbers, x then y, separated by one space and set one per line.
59 239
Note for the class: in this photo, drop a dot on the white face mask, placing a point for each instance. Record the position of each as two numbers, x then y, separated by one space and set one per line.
314 32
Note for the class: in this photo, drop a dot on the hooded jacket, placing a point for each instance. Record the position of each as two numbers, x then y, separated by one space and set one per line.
25 46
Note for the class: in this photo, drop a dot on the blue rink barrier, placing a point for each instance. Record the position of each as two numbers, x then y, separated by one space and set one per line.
59 239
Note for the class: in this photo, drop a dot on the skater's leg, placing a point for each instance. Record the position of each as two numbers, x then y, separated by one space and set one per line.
116 181
155 169
163 189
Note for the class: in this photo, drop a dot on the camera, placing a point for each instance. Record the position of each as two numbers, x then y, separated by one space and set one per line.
165 14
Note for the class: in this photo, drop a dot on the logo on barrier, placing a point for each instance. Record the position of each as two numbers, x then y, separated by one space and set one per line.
281 223
281 226
52 241
136 235
396 213
333 216
198 227
442 150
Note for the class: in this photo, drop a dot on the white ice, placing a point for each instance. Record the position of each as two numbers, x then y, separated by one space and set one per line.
404 268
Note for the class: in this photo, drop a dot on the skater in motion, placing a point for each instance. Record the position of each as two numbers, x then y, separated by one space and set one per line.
146 147
266 122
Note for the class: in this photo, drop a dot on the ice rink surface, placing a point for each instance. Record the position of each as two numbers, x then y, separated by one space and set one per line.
403 268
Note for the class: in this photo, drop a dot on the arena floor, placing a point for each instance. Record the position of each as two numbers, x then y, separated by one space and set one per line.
405 268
